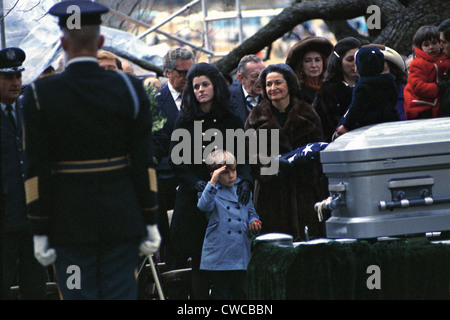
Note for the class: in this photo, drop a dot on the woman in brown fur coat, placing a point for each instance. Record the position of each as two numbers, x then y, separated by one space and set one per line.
286 202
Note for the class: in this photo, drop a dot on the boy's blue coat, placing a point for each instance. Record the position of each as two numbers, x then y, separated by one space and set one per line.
227 240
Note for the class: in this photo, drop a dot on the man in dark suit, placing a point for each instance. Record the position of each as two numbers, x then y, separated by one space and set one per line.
16 242
246 92
176 63
91 188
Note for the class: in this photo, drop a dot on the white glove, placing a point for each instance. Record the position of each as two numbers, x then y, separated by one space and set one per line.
151 244
42 252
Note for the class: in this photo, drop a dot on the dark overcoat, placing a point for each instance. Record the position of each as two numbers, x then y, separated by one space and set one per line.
444 109
286 203
331 104
374 101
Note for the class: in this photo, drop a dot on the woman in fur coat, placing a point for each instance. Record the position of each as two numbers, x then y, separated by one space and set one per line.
286 202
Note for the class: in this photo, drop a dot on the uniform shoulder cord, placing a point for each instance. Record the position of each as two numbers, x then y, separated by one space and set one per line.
132 93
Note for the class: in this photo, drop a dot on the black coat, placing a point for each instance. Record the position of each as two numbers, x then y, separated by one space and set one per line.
331 103
444 108
82 114
188 224
308 94
374 101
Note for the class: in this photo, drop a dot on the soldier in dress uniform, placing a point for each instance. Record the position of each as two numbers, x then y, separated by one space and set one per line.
18 262
91 186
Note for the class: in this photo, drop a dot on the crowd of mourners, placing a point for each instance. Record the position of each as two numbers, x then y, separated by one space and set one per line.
210 209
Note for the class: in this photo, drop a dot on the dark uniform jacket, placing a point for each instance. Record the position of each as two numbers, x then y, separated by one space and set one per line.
14 216
80 125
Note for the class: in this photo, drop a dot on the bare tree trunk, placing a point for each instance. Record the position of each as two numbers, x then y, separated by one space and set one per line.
402 26
399 22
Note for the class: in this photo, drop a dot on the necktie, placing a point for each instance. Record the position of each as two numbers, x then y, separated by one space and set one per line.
251 102
178 102
10 115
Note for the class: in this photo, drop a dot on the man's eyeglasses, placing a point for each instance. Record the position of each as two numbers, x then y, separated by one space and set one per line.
181 72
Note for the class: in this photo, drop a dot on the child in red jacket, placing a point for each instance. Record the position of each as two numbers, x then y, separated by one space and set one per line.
422 90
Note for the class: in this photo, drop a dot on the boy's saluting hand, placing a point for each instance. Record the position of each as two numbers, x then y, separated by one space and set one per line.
215 175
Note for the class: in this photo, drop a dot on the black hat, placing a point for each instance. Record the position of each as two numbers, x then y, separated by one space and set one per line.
345 45
90 11
369 61
11 60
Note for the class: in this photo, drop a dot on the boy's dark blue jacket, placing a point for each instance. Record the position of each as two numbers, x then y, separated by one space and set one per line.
374 95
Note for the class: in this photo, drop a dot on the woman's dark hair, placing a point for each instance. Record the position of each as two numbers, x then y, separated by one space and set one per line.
287 73
425 33
444 27
221 101
334 73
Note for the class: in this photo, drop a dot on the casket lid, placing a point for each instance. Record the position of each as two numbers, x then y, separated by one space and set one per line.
391 140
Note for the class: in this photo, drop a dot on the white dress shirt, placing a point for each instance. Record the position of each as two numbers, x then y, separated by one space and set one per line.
175 95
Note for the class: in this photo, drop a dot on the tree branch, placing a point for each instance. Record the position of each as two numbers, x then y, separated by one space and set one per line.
400 19
287 20
342 29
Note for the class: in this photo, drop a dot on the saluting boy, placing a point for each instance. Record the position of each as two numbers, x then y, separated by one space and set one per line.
226 247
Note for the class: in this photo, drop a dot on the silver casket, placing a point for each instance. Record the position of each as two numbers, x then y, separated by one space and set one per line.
389 179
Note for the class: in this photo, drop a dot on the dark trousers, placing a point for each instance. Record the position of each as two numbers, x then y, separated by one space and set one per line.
228 285
98 272
20 267
166 201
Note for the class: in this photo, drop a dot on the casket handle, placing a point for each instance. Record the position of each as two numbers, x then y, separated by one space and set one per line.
405 203
334 201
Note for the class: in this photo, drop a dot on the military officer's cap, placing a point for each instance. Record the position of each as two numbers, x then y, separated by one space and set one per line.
90 11
11 60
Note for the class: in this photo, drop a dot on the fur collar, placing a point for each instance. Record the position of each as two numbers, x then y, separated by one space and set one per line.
302 123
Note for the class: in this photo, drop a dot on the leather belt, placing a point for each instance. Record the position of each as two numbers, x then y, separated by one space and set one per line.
88 166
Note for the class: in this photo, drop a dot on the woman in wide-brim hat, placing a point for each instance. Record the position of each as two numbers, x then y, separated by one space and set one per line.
308 58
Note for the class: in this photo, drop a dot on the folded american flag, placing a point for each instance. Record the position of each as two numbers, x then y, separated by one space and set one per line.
310 151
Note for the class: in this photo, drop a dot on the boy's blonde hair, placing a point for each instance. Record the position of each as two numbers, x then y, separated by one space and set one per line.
218 158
